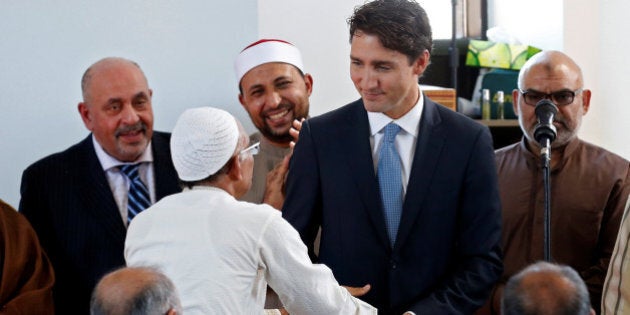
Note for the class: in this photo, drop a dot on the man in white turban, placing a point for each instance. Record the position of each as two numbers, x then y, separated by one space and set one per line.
221 252
274 89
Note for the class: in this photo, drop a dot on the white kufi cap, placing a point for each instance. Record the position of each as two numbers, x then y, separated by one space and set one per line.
203 141
265 51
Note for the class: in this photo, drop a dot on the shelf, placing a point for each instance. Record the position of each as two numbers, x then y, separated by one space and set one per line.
504 131
498 122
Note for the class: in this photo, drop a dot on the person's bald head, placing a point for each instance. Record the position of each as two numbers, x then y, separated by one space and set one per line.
545 288
135 290
103 65
555 76
553 63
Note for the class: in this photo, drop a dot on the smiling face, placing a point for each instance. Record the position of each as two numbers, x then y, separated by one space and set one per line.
385 78
117 108
547 73
274 94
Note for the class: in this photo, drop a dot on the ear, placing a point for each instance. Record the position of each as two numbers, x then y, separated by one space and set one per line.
515 99
235 172
86 116
308 81
586 101
421 63
241 100
150 93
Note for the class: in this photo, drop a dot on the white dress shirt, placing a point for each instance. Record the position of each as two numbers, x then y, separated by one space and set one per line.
118 182
405 141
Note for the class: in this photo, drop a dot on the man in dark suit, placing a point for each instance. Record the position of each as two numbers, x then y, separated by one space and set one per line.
414 212
77 200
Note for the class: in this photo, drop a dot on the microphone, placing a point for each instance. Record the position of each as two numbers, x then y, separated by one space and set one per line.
545 131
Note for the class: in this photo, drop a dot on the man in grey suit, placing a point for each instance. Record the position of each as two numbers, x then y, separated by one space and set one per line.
81 200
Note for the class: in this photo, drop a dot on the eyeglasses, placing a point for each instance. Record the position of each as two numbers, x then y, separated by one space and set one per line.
560 98
253 149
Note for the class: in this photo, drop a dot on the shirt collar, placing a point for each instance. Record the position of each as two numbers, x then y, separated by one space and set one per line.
408 122
108 161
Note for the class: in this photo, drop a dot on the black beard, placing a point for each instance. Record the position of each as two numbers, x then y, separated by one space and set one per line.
279 138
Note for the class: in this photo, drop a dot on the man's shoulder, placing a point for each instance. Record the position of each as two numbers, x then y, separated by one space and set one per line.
340 114
503 151
161 138
261 210
452 119
75 153
596 152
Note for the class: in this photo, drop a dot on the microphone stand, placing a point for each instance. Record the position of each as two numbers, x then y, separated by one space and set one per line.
545 155
545 133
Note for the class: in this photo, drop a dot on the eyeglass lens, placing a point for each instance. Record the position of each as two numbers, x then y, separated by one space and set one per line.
560 98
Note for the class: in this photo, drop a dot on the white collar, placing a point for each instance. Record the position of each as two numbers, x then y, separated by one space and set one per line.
408 122
108 161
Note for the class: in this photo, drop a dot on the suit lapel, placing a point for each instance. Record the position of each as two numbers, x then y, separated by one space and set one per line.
429 146
163 169
358 155
97 195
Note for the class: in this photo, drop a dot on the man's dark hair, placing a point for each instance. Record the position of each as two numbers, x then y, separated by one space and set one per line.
544 288
400 25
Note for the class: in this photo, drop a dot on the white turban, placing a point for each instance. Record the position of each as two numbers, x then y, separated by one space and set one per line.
203 141
265 51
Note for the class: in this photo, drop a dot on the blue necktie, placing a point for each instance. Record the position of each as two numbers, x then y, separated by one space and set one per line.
138 196
390 181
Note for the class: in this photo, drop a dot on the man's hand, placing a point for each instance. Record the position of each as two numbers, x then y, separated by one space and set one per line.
274 185
295 131
358 291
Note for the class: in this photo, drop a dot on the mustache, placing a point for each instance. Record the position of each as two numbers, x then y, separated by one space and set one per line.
556 119
139 126
561 121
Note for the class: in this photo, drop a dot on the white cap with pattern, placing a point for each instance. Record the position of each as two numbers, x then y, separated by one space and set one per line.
203 141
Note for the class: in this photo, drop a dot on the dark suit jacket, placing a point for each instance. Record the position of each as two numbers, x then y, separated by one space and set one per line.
67 199
446 256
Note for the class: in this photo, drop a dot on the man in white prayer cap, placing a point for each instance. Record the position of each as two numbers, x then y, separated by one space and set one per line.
221 252
274 89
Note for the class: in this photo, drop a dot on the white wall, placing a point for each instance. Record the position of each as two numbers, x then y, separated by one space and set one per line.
596 35
320 31
534 22
185 48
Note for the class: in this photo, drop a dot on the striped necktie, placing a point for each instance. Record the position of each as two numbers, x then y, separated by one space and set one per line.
390 181
138 197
